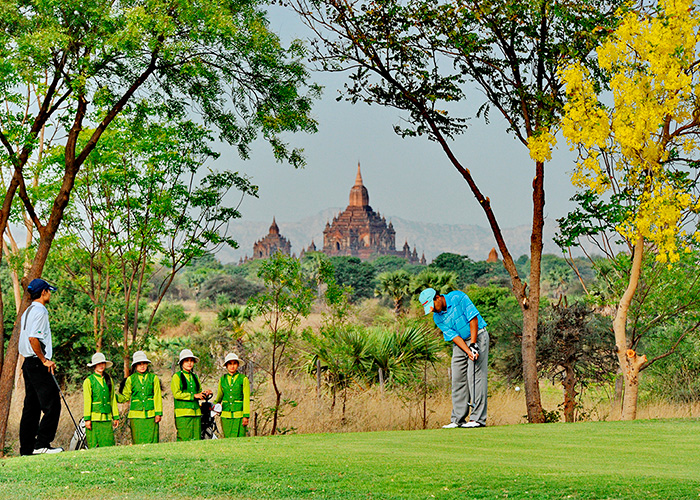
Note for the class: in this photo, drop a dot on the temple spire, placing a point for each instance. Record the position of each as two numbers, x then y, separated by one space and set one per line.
359 197
358 179
274 228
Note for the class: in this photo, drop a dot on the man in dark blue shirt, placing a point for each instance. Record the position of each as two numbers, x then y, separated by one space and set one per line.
460 322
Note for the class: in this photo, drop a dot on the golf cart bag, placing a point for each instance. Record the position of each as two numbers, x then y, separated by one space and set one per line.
79 439
209 412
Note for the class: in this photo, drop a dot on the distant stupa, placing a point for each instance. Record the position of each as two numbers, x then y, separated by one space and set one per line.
493 256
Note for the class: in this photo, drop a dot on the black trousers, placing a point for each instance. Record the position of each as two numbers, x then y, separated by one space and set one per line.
41 395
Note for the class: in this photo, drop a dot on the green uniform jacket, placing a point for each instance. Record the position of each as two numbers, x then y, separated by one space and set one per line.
143 390
234 395
185 403
99 403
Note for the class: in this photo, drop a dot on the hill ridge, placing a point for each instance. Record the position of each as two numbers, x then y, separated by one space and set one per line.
427 237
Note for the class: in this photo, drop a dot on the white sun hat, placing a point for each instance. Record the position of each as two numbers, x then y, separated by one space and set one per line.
98 358
139 357
186 353
232 357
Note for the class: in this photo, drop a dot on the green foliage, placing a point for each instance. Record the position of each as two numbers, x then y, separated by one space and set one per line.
593 218
392 357
242 81
234 289
551 416
673 378
170 315
342 353
442 281
235 315
351 271
388 263
402 352
286 300
466 269
396 285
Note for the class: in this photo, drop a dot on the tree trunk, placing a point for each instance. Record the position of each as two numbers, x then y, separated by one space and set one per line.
345 398
397 307
569 384
628 360
2 330
381 380
278 393
9 367
318 379
530 304
633 363
7 377
528 349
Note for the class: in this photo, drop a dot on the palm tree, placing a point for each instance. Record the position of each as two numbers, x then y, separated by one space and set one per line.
396 285
234 317
341 353
442 281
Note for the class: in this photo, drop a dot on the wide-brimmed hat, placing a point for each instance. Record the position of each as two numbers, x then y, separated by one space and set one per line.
427 298
139 357
186 353
232 357
98 358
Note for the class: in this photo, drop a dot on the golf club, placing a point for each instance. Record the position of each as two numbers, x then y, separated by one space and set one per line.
81 435
475 351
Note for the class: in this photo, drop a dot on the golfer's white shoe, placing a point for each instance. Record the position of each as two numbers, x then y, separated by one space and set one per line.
41 451
472 424
451 425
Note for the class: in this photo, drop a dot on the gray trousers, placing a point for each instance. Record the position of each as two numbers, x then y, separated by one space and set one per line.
468 377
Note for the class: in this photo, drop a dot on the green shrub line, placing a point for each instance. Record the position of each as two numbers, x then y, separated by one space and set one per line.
652 459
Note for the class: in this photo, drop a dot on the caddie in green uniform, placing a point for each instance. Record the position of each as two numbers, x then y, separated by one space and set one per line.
187 391
234 395
101 413
142 388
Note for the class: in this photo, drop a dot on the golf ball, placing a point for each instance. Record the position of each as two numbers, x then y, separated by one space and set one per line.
517 388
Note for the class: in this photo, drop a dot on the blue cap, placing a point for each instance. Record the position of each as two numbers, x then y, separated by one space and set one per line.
426 298
38 285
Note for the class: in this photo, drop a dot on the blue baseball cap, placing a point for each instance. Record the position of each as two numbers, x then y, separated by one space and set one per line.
38 285
426 298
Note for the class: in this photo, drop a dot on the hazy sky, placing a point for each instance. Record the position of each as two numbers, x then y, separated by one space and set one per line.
409 178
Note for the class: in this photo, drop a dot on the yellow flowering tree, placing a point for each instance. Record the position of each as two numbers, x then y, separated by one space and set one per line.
636 145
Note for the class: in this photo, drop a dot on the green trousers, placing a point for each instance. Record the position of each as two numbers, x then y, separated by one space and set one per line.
100 435
233 427
144 430
188 428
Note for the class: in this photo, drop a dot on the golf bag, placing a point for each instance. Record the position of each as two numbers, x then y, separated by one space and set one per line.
209 412
79 439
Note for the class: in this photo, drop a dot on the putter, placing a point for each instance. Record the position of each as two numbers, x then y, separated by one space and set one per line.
81 434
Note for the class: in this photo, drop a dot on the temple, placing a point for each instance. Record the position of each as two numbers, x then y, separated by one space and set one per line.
272 243
359 231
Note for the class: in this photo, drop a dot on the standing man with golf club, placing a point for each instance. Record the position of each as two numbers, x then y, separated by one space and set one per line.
41 391
460 322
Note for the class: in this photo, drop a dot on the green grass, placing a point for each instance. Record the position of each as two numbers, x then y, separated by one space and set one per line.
603 460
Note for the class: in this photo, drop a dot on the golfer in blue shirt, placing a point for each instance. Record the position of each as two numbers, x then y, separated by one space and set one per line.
460 322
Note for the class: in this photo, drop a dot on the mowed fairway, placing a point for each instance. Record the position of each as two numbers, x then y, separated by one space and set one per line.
604 460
